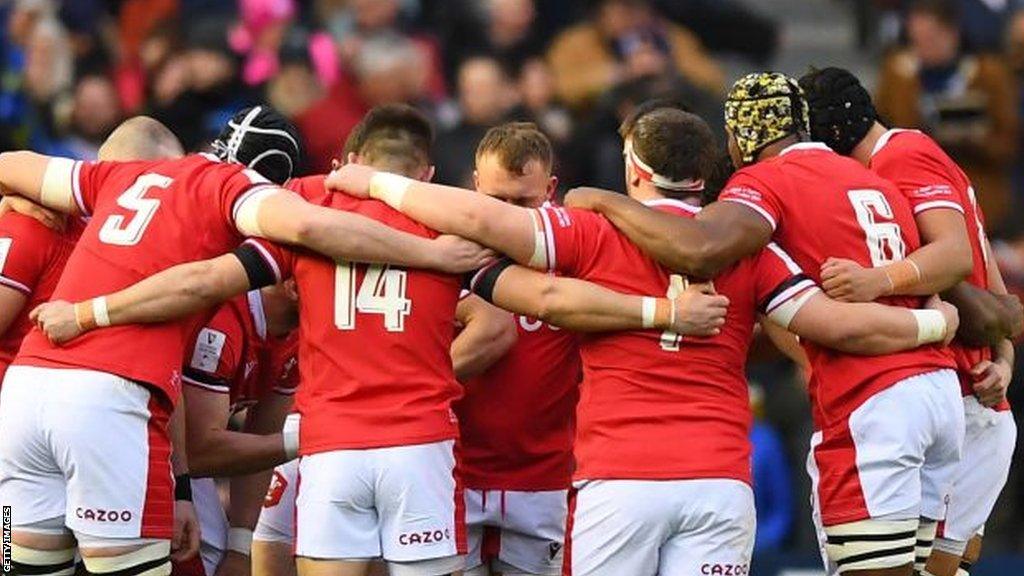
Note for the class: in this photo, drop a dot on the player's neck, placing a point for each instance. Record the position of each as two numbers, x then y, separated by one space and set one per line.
776 148
645 192
862 151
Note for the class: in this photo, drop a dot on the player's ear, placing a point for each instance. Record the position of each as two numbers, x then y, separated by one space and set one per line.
291 290
476 180
552 186
335 164
352 158
428 174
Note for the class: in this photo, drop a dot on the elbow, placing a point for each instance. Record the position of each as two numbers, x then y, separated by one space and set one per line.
708 260
962 266
552 302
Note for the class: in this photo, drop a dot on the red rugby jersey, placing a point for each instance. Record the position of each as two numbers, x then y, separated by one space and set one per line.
821 204
930 179
233 354
374 343
32 258
516 419
145 217
655 405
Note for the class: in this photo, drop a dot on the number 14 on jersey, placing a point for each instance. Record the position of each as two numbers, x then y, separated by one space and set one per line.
382 292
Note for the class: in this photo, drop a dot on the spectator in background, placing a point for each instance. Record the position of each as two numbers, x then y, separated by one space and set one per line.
773 489
485 98
966 102
49 73
387 69
201 89
297 85
624 39
1015 58
96 112
539 104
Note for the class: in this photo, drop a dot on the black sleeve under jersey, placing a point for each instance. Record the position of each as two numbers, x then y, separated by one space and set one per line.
483 281
259 271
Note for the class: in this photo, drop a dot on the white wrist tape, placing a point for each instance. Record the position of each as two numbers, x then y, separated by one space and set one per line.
648 307
240 540
389 188
58 184
931 326
290 436
99 311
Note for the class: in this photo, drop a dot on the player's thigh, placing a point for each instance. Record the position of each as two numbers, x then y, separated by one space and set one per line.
421 505
989 444
617 527
213 523
716 530
271 558
318 567
942 396
483 512
533 532
335 508
277 516
31 481
816 519
872 544
112 443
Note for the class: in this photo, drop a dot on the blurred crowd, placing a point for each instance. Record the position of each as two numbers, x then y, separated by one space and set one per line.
71 70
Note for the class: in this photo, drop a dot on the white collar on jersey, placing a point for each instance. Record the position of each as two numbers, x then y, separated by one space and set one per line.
673 203
259 317
886 137
805 146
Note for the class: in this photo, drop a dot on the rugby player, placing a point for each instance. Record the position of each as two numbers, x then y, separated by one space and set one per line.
893 420
645 501
123 383
947 213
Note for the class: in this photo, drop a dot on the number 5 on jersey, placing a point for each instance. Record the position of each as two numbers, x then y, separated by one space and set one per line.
120 233
382 291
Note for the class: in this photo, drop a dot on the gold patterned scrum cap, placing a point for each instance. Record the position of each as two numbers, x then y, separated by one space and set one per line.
760 110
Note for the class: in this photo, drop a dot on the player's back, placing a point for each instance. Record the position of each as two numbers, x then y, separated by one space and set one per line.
32 258
825 205
145 217
516 418
930 179
655 405
374 344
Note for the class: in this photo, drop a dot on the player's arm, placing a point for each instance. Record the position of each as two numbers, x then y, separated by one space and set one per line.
583 306
787 343
721 234
864 328
46 180
509 229
247 492
285 217
213 450
1013 312
488 333
11 303
941 263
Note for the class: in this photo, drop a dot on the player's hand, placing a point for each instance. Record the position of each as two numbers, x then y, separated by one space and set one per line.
991 380
352 179
951 314
700 311
848 281
586 198
185 540
456 255
45 216
234 564
57 320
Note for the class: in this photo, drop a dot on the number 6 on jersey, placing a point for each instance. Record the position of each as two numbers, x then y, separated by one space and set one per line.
382 291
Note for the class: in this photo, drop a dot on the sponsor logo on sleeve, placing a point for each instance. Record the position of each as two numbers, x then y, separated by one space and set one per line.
208 349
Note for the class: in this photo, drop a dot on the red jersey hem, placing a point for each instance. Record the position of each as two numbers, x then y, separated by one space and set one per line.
319 447
484 483
613 474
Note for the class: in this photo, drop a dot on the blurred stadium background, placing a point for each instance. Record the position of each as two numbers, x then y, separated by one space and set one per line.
70 70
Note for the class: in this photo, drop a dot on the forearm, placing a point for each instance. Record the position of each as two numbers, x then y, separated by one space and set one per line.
178 291
179 447
938 269
352 237
574 304
1004 352
983 319
482 342
21 174
228 453
861 328
247 493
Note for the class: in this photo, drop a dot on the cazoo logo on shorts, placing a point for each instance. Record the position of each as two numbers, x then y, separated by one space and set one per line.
424 537
101 515
725 569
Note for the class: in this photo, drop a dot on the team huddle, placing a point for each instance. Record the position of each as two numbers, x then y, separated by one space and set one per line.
487 382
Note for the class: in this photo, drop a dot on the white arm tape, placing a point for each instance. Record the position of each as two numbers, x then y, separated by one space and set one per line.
247 214
650 304
389 188
240 540
58 189
290 436
539 259
784 313
931 326
99 311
